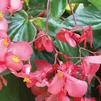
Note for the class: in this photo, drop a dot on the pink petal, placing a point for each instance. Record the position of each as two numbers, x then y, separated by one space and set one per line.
26 68
4 5
16 5
93 69
70 40
48 44
61 35
2 68
62 97
22 49
3 25
75 87
39 45
93 59
42 65
13 64
56 85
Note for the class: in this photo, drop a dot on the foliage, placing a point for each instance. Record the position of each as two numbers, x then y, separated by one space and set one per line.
45 34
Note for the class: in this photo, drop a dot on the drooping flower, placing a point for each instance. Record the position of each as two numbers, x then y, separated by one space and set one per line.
86 34
43 42
67 36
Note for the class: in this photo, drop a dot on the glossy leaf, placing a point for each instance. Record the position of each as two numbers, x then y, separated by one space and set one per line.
79 1
57 7
36 6
85 16
53 25
97 3
15 91
20 28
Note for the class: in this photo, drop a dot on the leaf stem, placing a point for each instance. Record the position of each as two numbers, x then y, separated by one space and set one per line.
72 12
47 16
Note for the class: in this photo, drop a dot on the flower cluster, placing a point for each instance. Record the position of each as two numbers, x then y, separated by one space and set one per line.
60 81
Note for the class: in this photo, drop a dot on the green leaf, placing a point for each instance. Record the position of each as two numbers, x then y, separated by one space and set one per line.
20 28
85 16
15 90
36 6
97 3
97 39
54 25
79 1
57 7
65 48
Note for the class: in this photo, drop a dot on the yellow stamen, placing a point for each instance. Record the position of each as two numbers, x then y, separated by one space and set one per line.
15 59
1 15
60 74
5 42
26 80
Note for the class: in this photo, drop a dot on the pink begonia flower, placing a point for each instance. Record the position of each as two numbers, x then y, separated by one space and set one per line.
4 6
4 25
22 49
15 5
89 69
13 62
57 83
72 85
47 43
44 42
92 71
43 65
86 33
67 36
75 87
38 78
70 40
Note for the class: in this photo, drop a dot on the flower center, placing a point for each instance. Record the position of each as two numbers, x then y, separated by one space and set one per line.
5 42
60 74
15 59
26 80
1 15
